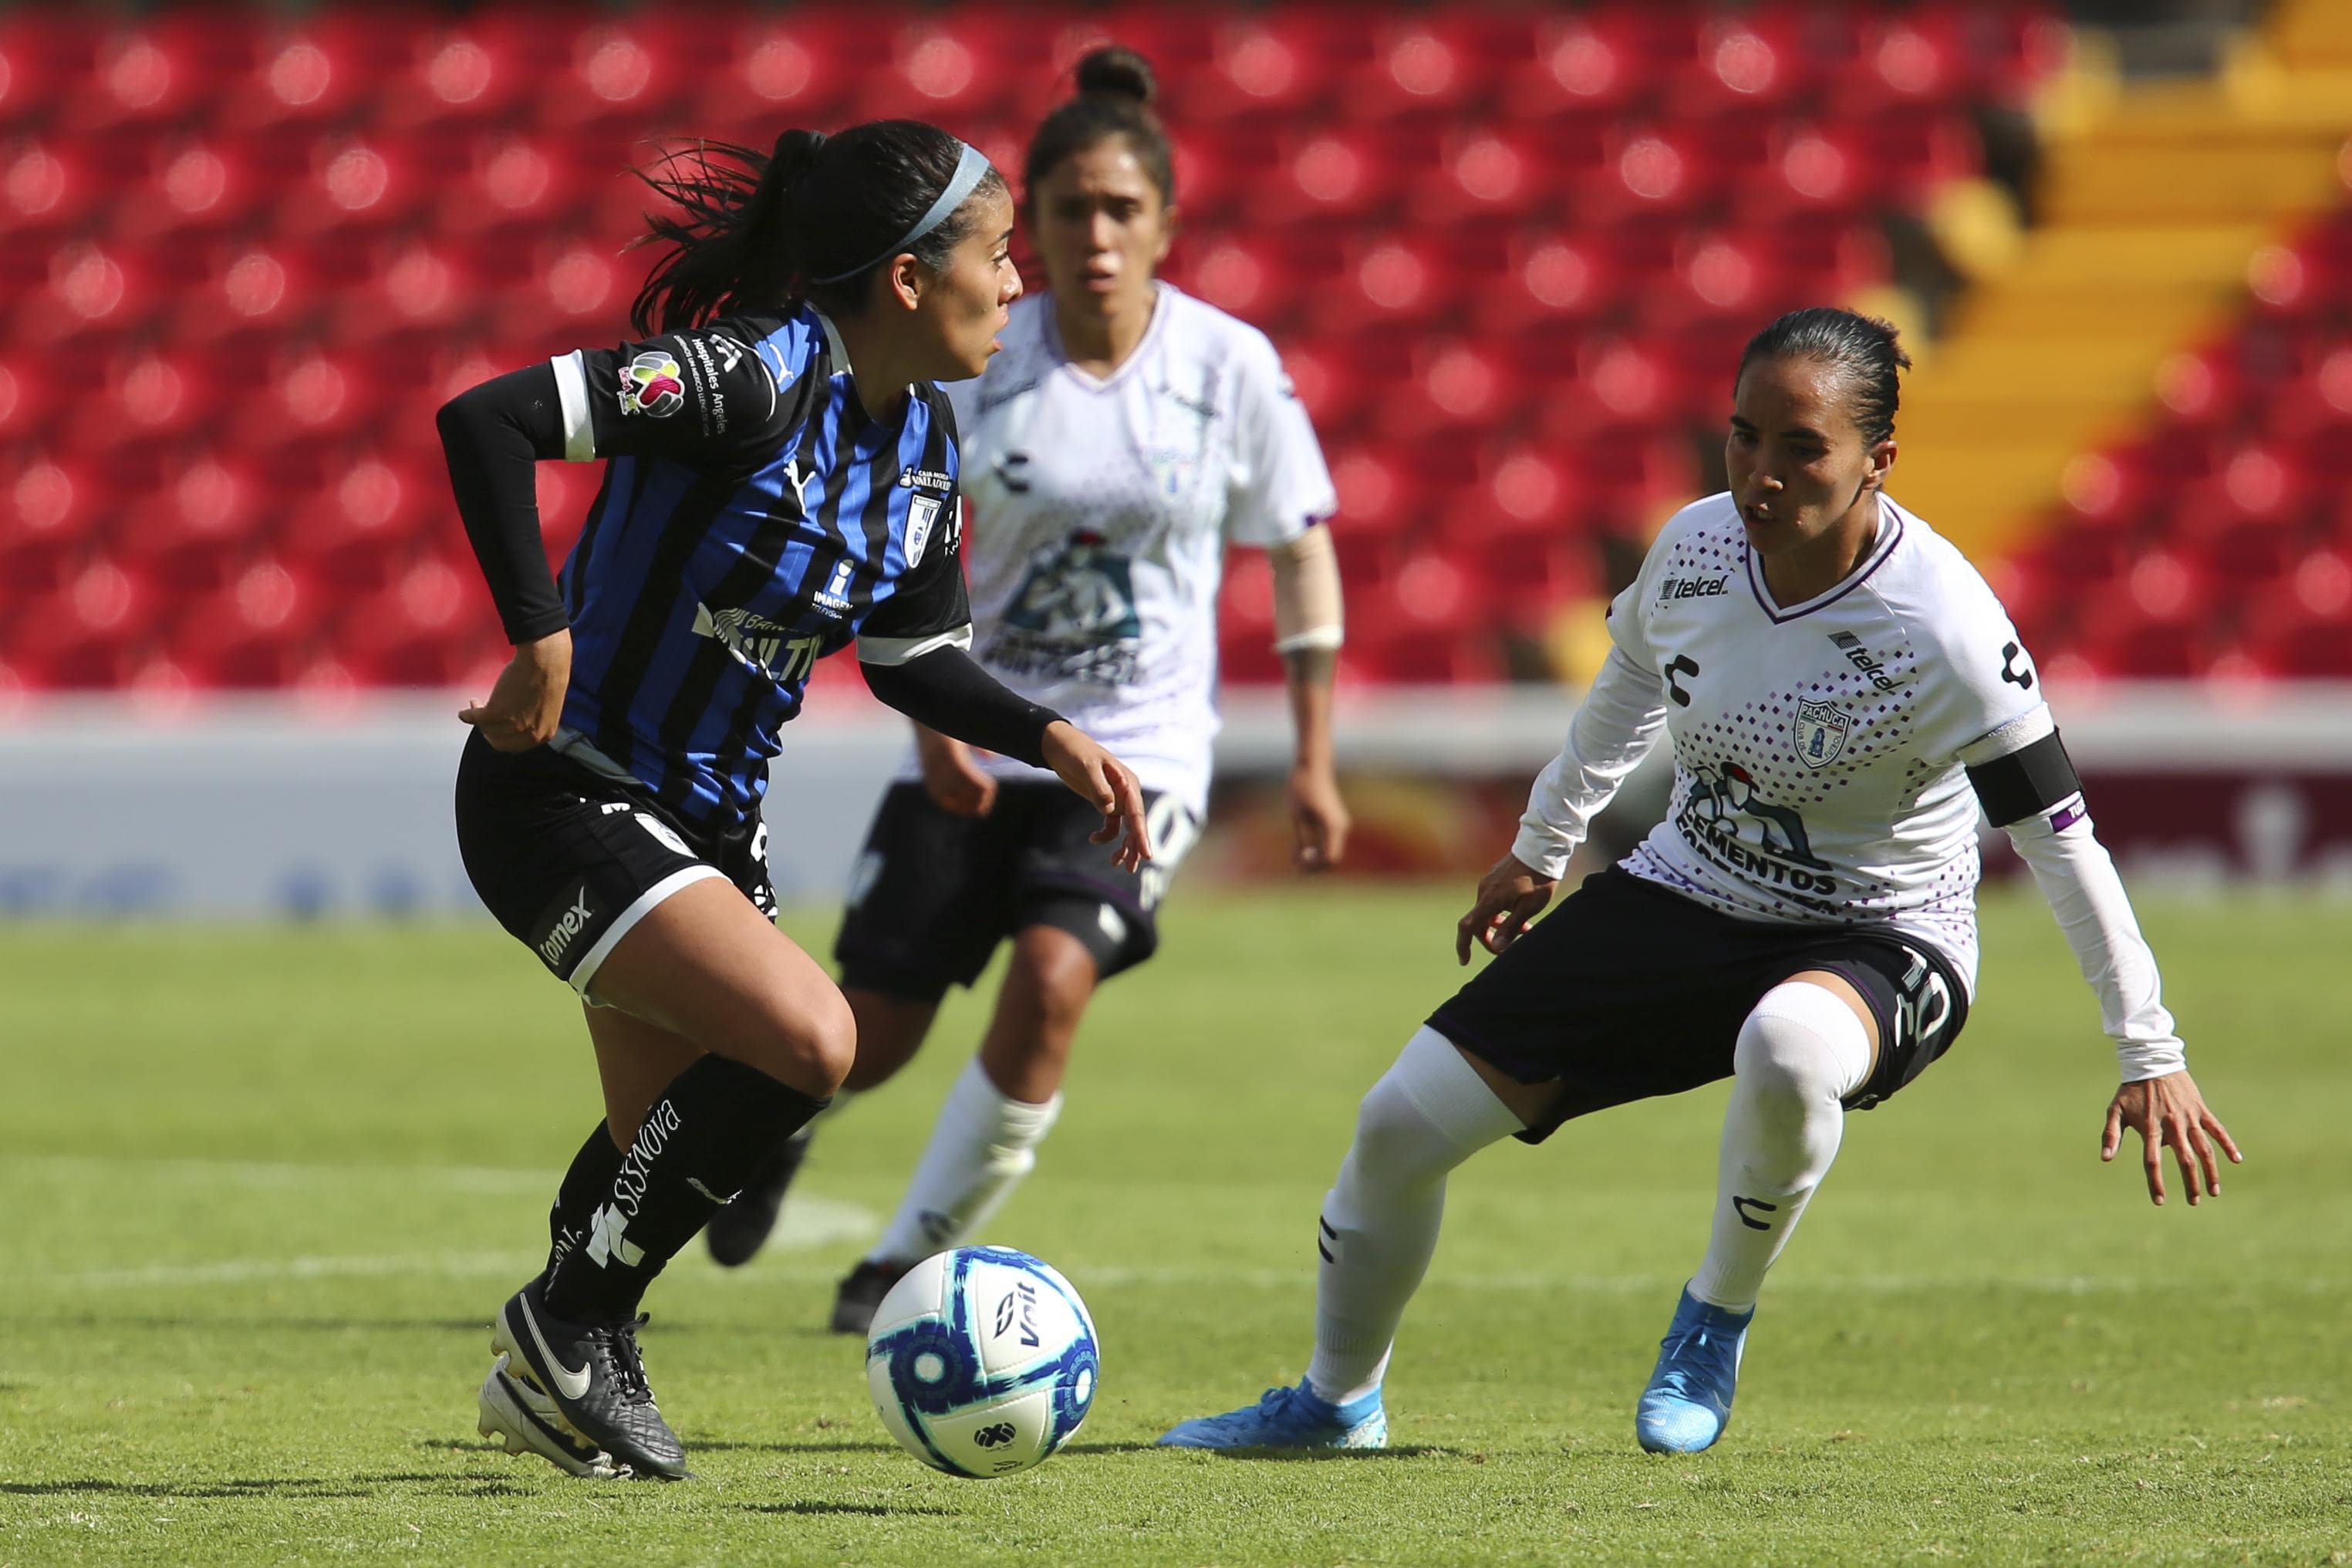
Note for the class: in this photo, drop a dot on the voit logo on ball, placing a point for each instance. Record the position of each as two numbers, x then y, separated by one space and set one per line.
652 384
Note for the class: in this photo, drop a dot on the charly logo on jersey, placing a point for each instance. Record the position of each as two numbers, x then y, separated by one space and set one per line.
1822 729
1727 818
759 642
653 384
1074 616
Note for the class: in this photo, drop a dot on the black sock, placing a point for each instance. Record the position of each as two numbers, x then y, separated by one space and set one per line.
703 1138
585 1186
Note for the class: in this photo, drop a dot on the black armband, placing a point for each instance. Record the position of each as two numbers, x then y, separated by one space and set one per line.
493 435
2031 779
946 690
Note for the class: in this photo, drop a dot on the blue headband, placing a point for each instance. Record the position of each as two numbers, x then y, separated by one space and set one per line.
970 169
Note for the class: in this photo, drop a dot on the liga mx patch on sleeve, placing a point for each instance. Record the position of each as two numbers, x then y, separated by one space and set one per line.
653 384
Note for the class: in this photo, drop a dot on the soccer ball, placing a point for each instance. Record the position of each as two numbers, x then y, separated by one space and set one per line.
981 1361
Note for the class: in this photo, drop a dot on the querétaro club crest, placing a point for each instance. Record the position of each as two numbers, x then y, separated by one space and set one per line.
652 384
1822 729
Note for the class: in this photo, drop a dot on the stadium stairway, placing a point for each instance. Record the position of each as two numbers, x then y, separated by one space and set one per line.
2153 202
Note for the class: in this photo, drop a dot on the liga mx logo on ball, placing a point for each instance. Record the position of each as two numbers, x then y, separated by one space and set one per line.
981 1361
652 383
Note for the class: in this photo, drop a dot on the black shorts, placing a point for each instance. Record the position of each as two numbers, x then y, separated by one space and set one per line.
935 892
569 859
1627 990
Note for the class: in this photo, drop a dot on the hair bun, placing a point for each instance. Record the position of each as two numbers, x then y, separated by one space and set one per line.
1117 71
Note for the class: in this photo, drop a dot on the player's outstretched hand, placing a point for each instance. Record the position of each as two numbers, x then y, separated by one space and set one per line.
1510 896
1319 817
1105 783
2169 1111
526 701
961 785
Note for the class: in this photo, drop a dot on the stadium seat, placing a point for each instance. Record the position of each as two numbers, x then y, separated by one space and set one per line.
251 632
330 66
45 52
1429 65
166 67
89 632
213 514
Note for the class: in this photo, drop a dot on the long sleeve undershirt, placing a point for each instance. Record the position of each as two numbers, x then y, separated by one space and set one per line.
492 435
1622 717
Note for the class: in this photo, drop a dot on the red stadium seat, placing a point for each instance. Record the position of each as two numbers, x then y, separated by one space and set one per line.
1252 275
515 179
193 189
1432 64
49 187
88 632
1391 282
168 67
252 632
209 518
361 529
1453 384
1590 65
429 628
331 67
30 402
636 70
45 51
1551 278
1742 64
1379 499
1276 66
146 396
1479 173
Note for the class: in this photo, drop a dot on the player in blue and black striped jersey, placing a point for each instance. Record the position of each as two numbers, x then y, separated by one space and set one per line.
780 482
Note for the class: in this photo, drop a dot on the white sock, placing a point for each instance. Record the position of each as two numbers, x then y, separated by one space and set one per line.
1427 1114
1801 1053
981 1147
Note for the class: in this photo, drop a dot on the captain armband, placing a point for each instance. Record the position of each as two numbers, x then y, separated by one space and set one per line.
1306 607
2038 780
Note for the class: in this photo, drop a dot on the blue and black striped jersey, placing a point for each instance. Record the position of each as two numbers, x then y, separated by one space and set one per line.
752 519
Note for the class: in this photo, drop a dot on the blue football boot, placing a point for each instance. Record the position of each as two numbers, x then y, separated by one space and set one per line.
1688 1401
1288 1419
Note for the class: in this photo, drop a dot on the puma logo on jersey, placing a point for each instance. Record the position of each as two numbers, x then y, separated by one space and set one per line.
1859 657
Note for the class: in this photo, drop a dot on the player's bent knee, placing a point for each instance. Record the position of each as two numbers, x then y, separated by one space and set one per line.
807 1043
1802 1042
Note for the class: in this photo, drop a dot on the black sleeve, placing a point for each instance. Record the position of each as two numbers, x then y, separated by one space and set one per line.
703 396
947 690
492 434
2031 779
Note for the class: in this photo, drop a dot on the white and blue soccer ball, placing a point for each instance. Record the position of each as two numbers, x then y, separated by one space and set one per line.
981 1361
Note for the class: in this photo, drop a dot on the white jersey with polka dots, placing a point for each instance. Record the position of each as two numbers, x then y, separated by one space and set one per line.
1817 770
1100 514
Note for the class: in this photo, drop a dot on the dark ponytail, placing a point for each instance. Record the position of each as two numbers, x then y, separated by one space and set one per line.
1115 93
754 231
1862 347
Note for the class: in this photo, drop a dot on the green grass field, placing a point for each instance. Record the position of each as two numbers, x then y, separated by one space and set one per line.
264 1188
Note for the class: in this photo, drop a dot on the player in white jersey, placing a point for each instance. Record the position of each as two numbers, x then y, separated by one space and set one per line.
1842 693
1127 435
